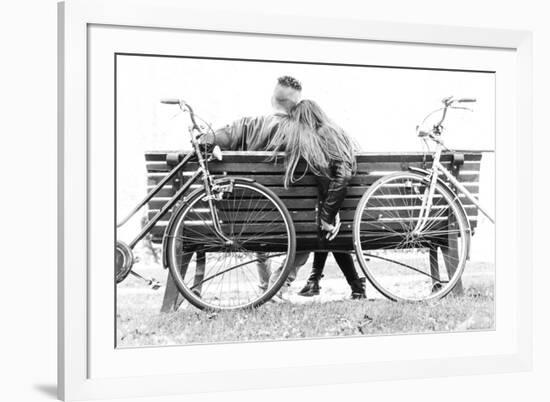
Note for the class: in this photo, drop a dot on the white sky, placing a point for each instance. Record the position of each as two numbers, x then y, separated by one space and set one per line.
380 107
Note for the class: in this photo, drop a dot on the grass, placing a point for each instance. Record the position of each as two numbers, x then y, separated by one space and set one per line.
138 324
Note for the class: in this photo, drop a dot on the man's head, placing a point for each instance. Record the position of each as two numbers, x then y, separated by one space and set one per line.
287 93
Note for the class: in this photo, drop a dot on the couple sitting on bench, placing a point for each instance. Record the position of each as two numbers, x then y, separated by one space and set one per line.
303 131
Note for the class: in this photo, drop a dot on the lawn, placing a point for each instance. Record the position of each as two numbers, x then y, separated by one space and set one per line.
139 322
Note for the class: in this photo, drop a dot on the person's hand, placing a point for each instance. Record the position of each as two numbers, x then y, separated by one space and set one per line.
206 147
332 230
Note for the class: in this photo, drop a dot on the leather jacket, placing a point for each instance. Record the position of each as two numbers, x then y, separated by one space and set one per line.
254 133
332 191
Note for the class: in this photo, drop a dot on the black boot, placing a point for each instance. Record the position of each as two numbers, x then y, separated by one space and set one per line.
358 289
312 288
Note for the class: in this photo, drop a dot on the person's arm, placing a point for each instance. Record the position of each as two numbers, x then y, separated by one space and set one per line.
225 136
336 193
234 135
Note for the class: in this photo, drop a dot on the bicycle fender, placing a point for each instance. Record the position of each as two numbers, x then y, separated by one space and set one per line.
448 188
224 179
219 181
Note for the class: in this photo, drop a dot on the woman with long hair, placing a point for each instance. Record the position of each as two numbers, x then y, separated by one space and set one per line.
329 153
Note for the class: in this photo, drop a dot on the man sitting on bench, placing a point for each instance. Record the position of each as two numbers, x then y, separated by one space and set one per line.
258 134
254 134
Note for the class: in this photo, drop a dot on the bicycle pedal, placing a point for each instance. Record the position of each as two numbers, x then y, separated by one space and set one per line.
154 284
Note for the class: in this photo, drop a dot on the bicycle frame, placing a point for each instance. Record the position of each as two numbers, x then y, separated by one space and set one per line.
436 170
152 222
207 182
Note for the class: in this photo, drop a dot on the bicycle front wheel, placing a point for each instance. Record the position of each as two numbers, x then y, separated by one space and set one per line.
402 258
248 264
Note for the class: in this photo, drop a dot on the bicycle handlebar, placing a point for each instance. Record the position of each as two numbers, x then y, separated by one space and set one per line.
170 101
182 104
450 100
448 104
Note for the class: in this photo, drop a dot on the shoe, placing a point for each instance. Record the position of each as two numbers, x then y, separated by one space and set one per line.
262 288
312 288
279 297
358 291
276 299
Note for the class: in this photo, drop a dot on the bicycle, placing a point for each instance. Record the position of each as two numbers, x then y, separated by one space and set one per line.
416 218
230 218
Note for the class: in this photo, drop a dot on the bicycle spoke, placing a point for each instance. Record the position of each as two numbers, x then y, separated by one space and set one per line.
403 262
250 220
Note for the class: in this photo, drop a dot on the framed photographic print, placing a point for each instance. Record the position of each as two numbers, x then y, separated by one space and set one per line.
239 193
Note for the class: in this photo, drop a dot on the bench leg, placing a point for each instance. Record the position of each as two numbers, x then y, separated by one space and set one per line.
172 298
450 256
434 267
199 271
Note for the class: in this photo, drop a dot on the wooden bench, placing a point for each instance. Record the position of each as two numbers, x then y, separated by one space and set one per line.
301 198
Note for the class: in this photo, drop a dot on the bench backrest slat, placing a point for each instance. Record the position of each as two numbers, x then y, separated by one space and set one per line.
301 197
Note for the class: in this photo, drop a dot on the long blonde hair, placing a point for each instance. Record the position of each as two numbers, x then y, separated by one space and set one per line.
309 135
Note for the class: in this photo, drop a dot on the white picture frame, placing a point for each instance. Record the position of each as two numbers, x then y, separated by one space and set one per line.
76 378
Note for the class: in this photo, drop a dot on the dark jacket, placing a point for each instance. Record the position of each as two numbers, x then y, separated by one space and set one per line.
249 133
255 133
332 191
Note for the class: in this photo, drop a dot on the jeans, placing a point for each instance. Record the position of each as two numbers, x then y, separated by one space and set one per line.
344 261
299 261
264 270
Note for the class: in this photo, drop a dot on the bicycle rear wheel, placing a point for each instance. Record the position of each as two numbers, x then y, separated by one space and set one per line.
234 273
401 262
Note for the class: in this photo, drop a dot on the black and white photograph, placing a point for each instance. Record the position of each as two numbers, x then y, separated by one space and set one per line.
275 201
269 200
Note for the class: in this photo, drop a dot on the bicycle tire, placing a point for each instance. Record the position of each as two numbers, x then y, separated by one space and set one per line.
285 241
383 215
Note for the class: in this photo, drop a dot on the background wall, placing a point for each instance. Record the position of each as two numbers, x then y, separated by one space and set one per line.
28 162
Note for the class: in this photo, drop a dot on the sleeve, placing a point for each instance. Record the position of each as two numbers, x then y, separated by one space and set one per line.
336 193
234 136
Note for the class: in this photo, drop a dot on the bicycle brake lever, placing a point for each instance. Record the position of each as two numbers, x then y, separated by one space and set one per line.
462 107
447 101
